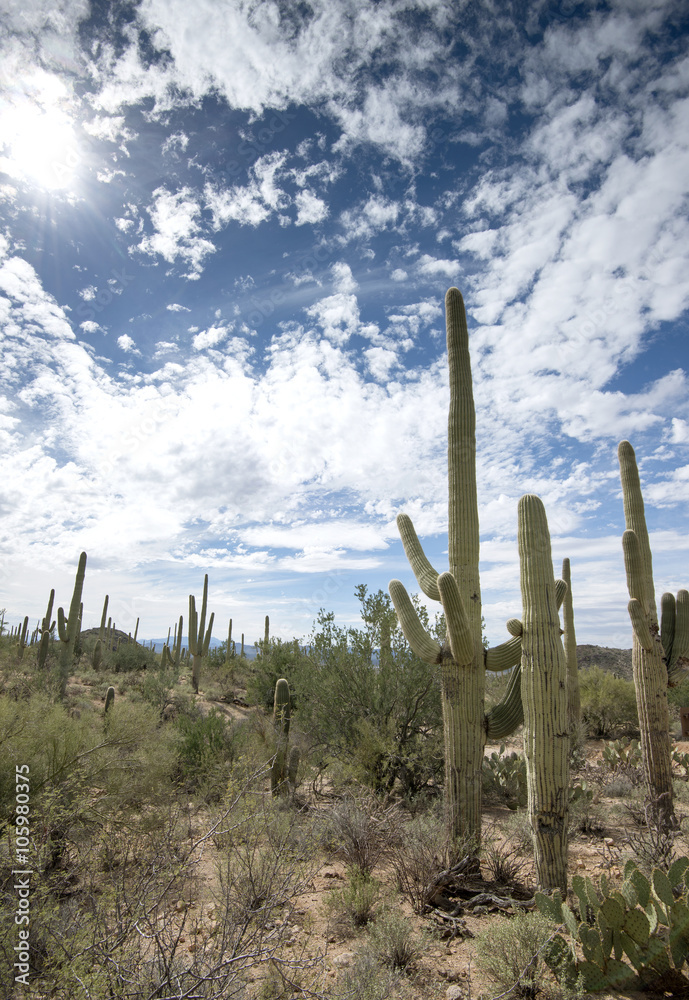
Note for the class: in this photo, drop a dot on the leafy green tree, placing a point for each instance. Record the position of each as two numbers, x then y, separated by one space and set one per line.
366 699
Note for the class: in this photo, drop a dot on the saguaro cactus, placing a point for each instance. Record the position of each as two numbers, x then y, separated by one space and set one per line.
570 644
283 774
462 657
652 664
544 697
22 634
101 633
198 640
69 630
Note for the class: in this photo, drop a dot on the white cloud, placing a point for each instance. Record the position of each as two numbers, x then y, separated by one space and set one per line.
255 202
310 208
433 266
176 307
211 337
127 344
175 218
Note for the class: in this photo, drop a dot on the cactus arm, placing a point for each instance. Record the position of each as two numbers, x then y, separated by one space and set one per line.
506 655
192 624
458 630
423 645
506 717
101 632
202 620
637 582
667 624
61 625
635 520
560 592
426 576
45 626
570 645
678 662
544 696
207 638
639 620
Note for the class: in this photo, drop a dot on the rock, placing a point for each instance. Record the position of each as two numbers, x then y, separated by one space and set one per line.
454 993
344 960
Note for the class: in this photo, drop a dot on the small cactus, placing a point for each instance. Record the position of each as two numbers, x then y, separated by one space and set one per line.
97 656
109 699
645 922
283 774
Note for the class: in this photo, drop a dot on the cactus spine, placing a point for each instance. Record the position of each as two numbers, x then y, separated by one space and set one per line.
649 660
462 657
544 697
570 644
198 640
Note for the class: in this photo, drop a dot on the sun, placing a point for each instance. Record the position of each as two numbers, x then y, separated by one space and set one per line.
39 144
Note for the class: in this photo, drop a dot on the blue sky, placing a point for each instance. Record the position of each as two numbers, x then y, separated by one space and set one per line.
227 232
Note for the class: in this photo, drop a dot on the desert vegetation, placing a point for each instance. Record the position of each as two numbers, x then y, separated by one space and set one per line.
394 810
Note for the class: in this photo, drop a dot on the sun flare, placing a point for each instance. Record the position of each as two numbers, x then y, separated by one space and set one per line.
40 145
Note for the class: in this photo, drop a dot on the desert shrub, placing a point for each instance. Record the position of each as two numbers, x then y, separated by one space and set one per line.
377 713
608 704
208 747
356 900
510 951
362 832
280 660
128 657
392 940
366 980
421 854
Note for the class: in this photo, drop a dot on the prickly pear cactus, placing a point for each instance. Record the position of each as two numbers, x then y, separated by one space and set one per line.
634 938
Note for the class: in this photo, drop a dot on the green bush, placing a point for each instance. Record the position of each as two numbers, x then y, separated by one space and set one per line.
608 704
128 657
511 952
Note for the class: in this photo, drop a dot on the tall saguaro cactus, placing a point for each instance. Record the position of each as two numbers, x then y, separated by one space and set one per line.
462 658
652 664
544 697
69 630
198 640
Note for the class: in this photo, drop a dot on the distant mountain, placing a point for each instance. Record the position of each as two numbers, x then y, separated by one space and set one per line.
616 661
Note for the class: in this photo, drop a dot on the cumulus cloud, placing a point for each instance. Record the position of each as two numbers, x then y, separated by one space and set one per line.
176 225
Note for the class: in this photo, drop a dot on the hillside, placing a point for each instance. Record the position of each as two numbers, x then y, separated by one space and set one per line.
617 661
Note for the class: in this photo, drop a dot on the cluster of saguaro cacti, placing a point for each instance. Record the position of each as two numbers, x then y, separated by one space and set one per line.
462 658
283 773
198 639
659 655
